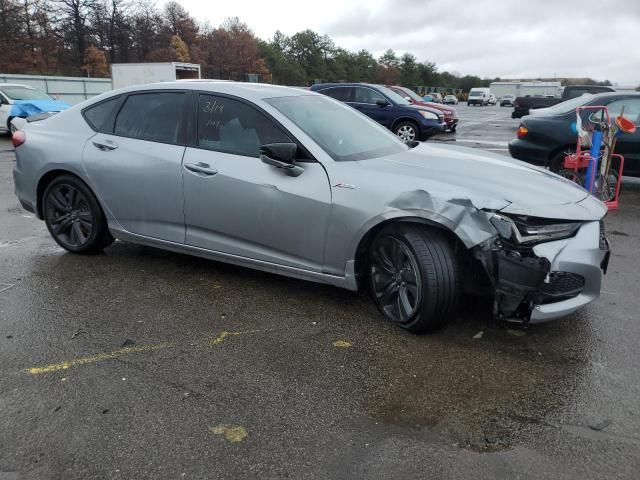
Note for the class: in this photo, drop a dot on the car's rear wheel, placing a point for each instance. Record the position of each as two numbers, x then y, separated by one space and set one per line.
413 277
407 131
74 217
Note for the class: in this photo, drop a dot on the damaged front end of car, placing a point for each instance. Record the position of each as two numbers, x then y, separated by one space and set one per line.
541 268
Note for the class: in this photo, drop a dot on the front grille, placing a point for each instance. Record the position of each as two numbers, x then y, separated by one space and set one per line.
604 245
562 286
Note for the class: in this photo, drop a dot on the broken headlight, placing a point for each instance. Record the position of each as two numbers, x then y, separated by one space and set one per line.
522 229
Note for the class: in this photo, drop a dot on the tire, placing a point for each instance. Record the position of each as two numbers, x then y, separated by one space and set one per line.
9 131
413 276
556 163
74 217
407 131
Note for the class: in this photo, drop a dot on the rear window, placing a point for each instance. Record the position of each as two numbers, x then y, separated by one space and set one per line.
151 116
98 116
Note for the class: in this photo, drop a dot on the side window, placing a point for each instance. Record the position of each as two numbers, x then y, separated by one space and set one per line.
339 93
99 115
232 126
366 95
151 116
631 109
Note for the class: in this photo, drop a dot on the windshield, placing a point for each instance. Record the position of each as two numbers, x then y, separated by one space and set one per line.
569 105
475 93
393 96
406 92
344 133
24 93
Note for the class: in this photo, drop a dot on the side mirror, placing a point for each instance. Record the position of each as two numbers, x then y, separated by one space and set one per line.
382 103
3 101
283 156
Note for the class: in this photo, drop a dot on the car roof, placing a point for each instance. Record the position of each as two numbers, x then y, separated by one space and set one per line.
346 84
251 91
614 94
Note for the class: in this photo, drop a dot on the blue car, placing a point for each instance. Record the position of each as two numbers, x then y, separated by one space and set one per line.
407 121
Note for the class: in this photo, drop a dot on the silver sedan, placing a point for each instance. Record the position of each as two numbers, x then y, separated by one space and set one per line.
296 183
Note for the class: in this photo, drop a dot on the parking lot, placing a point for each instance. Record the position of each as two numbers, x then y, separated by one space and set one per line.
140 363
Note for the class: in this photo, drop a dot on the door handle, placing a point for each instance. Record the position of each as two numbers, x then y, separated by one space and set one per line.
107 146
201 168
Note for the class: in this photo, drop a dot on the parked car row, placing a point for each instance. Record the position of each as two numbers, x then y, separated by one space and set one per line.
409 121
523 105
450 114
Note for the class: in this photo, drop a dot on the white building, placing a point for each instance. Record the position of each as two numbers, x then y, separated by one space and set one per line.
521 89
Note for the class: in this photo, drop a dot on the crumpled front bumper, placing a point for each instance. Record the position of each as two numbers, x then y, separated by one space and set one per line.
549 280
586 255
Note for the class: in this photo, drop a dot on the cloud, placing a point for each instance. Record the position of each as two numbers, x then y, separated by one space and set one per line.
505 38
489 38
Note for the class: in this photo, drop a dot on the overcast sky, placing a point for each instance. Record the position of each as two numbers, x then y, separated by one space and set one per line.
489 38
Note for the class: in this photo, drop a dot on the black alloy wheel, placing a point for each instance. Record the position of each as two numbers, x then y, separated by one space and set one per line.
73 216
395 279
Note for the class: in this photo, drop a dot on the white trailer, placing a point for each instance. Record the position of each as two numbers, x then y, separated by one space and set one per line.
520 89
126 74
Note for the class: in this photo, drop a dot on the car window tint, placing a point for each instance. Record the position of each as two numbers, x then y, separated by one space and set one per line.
631 109
234 127
151 116
339 93
367 95
98 115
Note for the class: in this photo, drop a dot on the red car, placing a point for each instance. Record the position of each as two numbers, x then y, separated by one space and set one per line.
450 114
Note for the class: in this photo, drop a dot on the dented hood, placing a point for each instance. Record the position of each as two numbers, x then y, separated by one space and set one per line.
491 181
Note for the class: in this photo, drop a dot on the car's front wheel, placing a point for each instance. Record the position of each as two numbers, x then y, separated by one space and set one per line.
407 131
74 217
414 277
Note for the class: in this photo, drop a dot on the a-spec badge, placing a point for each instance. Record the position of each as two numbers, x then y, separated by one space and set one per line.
350 186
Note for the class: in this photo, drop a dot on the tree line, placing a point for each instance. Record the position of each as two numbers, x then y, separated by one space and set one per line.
83 37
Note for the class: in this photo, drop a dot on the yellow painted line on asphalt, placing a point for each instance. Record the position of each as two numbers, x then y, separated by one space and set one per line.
100 357
341 344
218 339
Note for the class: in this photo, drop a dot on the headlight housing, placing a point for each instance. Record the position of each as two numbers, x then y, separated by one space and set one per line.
531 230
428 115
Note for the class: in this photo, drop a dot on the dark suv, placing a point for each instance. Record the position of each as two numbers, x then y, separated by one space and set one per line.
409 122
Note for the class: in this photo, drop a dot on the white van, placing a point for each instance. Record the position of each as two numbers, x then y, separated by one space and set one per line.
479 96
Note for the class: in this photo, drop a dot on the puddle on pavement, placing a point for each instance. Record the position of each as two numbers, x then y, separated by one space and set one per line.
484 393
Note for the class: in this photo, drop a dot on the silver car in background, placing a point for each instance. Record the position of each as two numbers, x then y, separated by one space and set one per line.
296 183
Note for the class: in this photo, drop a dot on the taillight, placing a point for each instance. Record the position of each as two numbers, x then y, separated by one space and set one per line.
18 138
522 131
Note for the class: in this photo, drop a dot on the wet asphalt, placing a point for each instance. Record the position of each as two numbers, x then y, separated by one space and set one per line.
138 363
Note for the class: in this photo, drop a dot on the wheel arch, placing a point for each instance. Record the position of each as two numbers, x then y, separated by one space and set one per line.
44 182
406 119
365 241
